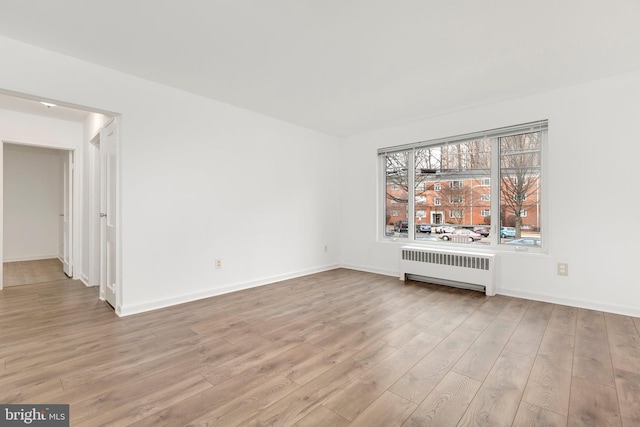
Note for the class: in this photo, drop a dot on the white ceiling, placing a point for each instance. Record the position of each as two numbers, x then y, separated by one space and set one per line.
342 66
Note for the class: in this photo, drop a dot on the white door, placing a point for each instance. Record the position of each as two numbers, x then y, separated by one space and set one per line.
109 155
67 214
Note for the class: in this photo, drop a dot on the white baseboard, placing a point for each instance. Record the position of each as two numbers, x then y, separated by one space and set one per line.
84 279
127 310
153 305
534 296
573 302
371 270
29 258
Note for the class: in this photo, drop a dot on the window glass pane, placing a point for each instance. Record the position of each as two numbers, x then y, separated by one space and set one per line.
426 165
466 169
455 179
397 194
447 189
520 188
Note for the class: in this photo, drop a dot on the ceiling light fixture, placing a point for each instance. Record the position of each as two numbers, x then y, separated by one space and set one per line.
48 104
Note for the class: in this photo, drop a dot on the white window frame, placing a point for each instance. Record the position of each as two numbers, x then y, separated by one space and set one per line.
493 135
485 212
437 201
437 186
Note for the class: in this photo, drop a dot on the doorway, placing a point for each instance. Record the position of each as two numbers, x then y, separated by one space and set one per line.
38 205
90 254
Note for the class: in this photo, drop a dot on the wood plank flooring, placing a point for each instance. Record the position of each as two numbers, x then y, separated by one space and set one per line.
29 272
339 348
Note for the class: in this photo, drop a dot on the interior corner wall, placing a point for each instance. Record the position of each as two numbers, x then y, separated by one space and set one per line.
32 197
199 180
590 210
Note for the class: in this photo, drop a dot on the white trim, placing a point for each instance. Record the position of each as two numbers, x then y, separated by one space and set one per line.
531 296
31 258
181 299
84 279
486 134
368 269
573 302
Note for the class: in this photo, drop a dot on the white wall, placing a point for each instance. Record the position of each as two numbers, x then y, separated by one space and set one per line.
32 200
40 131
592 157
199 180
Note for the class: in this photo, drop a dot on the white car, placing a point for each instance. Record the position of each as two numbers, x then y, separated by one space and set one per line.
445 229
461 233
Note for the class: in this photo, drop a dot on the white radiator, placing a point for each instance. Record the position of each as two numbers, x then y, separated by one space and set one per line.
458 268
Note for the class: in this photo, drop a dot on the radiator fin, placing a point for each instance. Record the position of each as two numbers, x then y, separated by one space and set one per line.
462 260
457 268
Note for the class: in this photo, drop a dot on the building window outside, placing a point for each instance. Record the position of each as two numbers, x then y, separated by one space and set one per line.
513 198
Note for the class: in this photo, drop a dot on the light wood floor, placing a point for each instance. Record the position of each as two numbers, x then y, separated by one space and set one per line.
29 272
332 349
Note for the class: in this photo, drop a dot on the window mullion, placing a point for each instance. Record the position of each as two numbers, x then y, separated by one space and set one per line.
495 191
411 195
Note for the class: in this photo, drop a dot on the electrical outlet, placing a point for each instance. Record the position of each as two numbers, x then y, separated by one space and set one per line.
326 248
563 269
218 263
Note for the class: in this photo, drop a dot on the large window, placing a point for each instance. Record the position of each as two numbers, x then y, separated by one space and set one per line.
489 180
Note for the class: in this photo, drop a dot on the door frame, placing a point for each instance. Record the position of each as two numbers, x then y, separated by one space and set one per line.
75 199
97 238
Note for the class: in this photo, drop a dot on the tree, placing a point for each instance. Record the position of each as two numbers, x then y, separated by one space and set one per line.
519 175
448 163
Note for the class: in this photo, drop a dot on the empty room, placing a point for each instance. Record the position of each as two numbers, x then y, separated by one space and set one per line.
319 213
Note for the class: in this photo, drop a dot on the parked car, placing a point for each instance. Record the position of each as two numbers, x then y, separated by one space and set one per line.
423 228
507 232
401 226
525 241
445 229
483 231
461 234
